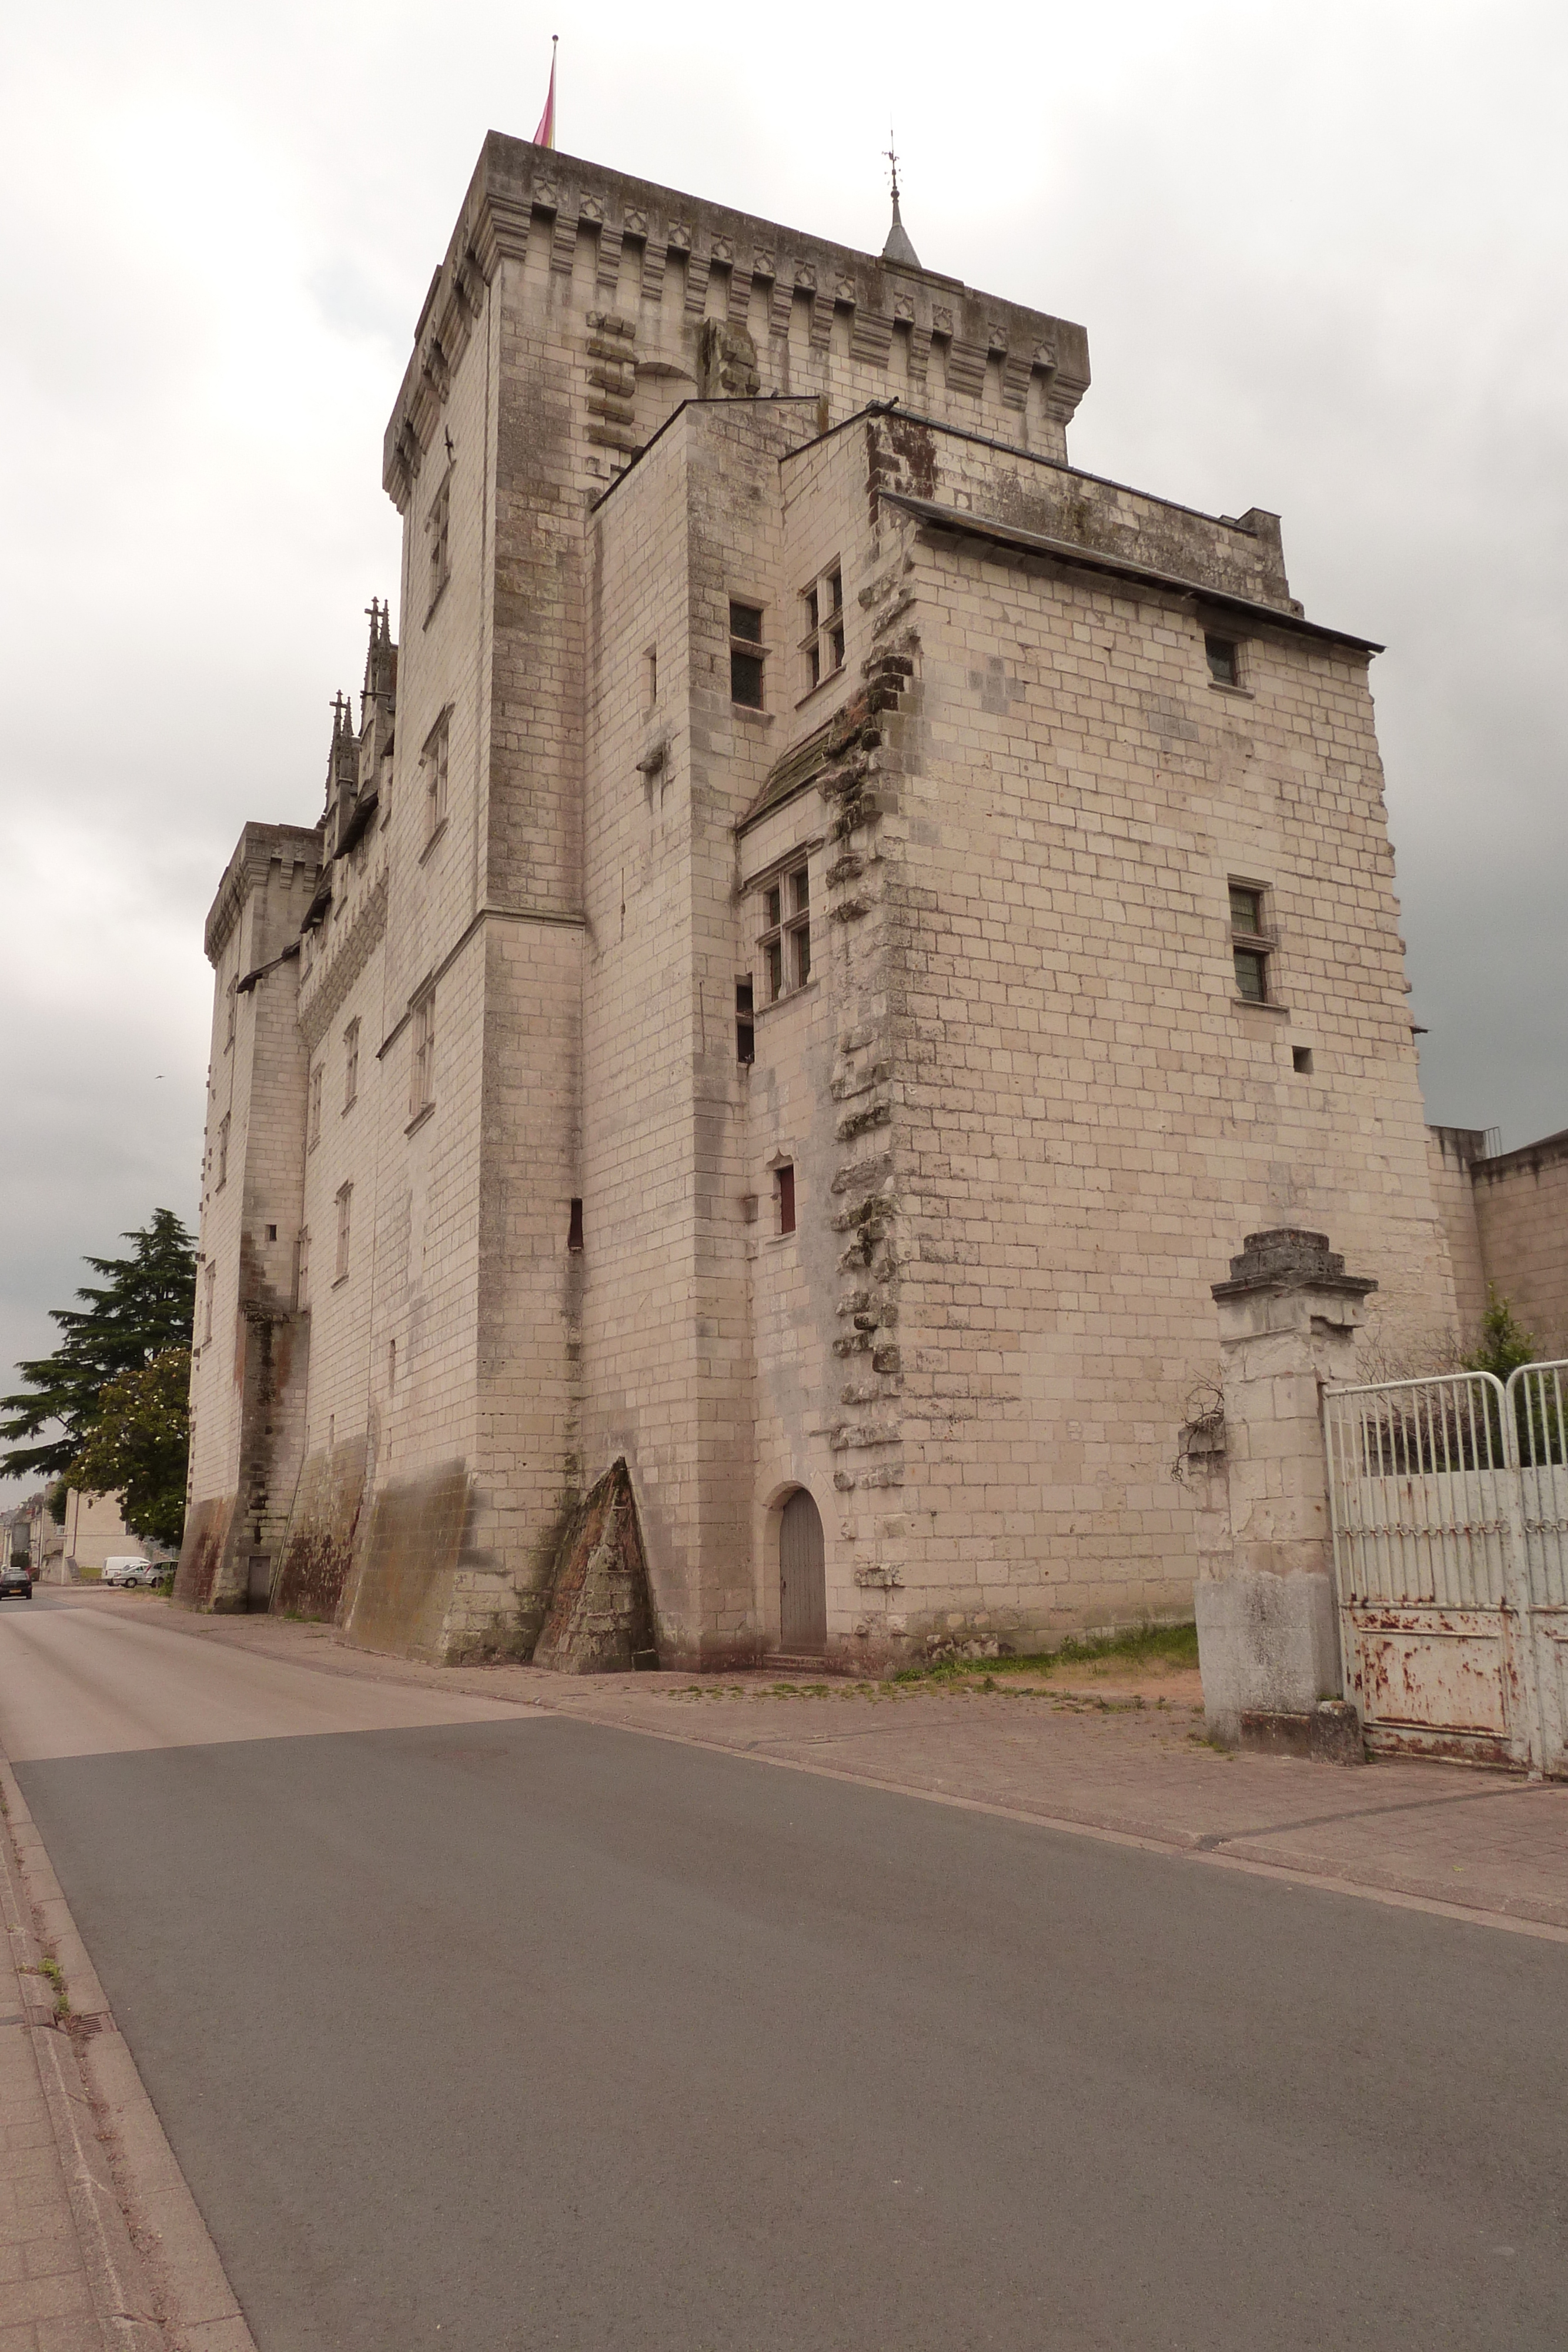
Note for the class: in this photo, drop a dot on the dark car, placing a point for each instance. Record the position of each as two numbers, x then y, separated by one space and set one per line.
15 1583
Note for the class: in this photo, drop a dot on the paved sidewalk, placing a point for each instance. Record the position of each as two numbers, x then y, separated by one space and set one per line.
58 2292
101 2247
1107 1759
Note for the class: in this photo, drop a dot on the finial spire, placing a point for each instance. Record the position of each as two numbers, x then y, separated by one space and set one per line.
898 247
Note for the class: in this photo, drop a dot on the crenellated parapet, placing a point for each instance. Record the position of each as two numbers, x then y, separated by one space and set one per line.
651 270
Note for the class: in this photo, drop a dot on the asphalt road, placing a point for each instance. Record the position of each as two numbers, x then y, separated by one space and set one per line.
505 2031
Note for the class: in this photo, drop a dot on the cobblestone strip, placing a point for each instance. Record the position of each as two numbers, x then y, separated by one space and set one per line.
101 2247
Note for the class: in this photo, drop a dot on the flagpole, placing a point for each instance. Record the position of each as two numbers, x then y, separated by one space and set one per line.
544 134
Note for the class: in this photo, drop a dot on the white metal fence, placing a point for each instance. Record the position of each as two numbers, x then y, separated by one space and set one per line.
1448 1503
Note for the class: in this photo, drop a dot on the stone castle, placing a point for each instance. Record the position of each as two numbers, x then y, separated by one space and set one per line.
830 928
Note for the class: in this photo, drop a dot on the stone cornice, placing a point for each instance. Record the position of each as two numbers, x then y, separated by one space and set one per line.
324 990
521 192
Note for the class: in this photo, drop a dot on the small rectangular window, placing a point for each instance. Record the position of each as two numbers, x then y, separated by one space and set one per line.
1249 944
351 1063
1224 662
438 529
649 677
229 1035
1251 976
801 954
1247 910
422 1072
434 761
302 1269
1301 1060
314 1132
824 643
786 940
574 1226
784 1188
745 1022
345 1211
745 654
224 1149
209 1290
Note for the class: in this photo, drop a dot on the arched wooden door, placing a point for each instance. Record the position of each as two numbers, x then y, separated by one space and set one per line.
803 1577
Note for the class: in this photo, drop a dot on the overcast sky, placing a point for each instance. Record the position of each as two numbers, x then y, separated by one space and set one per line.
1318 249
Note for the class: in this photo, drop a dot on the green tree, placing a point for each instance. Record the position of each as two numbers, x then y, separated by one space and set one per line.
1538 1416
1504 1344
138 1446
143 1307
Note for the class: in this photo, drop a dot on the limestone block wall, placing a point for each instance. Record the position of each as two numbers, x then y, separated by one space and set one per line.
1451 1152
1521 1222
667 1166
1035 491
340 1012
1085 1118
247 1378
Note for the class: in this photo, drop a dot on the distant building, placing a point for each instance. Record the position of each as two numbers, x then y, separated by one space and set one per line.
91 1532
832 927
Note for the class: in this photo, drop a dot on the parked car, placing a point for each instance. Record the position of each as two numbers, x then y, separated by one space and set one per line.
16 1582
128 1568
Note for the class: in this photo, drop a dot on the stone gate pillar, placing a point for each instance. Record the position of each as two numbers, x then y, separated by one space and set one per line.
1267 1633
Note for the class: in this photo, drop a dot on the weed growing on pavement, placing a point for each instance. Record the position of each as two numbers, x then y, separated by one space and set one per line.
1206 1740
50 1968
1139 1645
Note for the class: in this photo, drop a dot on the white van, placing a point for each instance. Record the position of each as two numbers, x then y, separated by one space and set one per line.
130 1567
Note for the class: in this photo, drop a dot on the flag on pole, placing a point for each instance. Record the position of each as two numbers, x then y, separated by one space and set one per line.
545 135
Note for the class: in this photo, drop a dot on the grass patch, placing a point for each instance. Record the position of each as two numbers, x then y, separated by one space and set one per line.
1138 1645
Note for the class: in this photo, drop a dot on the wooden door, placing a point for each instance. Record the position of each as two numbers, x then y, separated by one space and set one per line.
803 1577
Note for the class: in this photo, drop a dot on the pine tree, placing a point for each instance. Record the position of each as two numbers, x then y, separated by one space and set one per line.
145 1307
1504 1343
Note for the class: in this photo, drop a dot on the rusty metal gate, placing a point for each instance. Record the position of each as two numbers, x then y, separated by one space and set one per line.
1449 1505
1536 1427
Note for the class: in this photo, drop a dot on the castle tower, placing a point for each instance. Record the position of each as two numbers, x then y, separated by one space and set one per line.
831 926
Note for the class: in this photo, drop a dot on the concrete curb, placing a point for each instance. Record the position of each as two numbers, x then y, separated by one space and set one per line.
1246 1853
156 2280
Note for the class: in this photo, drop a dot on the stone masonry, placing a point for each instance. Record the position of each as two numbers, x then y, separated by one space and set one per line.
1506 1216
830 928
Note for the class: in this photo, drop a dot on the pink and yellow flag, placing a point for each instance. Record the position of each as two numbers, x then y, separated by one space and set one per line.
545 135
